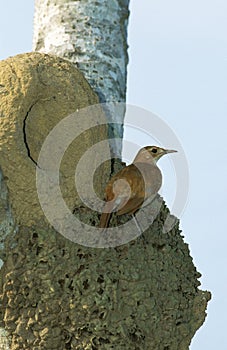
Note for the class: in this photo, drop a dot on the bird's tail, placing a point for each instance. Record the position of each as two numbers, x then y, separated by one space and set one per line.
104 220
106 215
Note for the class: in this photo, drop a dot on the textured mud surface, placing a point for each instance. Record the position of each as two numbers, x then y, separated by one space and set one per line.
56 294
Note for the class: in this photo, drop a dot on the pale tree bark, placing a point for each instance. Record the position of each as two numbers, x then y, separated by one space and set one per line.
92 35
56 294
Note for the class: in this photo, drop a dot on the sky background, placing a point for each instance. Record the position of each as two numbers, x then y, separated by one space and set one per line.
177 70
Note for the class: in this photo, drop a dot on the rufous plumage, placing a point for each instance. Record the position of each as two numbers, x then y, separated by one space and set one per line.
134 185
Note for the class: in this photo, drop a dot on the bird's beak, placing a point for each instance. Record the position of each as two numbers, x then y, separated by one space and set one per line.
169 151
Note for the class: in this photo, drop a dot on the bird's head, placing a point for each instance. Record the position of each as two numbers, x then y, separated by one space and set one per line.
151 153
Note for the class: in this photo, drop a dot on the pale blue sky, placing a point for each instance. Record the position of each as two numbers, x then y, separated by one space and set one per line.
178 70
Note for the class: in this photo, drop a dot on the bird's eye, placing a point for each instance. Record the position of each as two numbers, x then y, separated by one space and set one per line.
154 150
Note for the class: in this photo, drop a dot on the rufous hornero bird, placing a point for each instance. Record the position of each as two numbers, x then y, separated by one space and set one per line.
134 185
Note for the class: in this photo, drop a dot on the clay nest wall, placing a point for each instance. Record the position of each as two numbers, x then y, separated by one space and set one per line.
38 92
56 294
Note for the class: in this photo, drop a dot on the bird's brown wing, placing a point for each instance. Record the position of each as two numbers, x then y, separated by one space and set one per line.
127 194
131 206
119 193
129 188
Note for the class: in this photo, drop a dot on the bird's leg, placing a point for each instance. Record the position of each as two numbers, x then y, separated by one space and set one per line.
137 224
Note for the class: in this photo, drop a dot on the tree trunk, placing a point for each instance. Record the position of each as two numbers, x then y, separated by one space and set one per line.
92 35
